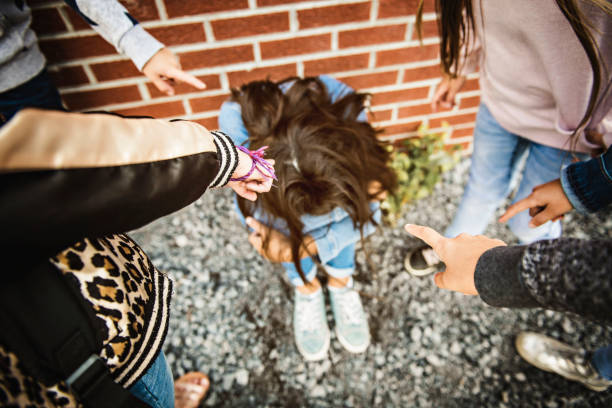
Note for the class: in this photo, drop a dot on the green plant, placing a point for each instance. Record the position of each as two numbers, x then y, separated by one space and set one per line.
419 163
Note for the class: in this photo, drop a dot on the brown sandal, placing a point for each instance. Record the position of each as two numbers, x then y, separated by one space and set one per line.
190 389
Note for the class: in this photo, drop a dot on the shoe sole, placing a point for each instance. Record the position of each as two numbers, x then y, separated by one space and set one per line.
348 346
525 355
317 356
415 272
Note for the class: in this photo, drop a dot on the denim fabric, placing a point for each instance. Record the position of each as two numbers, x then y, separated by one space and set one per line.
156 386
602 361
38 92
588 184
496 164
334 233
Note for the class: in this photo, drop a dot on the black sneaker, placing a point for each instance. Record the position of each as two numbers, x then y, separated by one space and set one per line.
422 261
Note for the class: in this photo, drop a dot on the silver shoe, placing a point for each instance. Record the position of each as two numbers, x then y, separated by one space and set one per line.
553 356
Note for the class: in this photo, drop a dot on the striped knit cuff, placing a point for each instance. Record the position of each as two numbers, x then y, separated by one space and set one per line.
227 155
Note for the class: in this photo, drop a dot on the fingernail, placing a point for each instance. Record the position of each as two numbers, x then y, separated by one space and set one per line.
407 226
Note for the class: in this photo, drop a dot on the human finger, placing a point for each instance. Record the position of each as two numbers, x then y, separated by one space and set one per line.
258 227
256 241
542 217
162 85
259 186
518 207
429 235
439 280
180 75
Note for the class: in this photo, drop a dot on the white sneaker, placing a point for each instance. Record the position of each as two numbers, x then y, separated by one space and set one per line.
310 325
351 321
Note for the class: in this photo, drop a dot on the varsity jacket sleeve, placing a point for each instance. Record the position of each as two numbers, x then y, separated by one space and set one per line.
566 274
65 176
115 24
588 184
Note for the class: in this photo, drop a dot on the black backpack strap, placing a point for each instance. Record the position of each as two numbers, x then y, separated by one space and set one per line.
49 329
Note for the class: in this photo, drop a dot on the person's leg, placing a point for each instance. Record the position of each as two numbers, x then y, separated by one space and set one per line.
38 92
543 164
496 153
602 361
156 386
495 161
310 328
351 321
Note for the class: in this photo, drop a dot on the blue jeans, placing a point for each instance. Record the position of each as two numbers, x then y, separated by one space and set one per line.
38 92
495 168
341 266
156 386
602 360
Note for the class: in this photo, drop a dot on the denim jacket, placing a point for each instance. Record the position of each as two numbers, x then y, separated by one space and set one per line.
332 231
588 184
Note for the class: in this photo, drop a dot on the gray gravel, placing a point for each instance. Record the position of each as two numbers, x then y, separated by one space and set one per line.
231 318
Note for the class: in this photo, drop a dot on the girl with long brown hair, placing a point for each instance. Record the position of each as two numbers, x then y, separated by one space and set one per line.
545 75
331 170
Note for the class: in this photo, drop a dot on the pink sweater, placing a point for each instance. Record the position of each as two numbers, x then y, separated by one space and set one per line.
534 74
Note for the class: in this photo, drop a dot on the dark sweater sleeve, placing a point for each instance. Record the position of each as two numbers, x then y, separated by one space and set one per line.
65 176
588 184
566 274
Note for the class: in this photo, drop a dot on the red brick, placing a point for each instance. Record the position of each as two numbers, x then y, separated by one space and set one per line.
212 82
416 110
207 103
159 110
176 8
211 123
247 26
68 49
401 95
336 64
324 16
420 74
108 71
374 35
465 146
68 76
179 34
101 97
295 46
401 128
277 73
47 21
453 120
470 85
370 80
217 56
469 102
263 3
429 29
141 10
457 133
406 55
379 116
395 8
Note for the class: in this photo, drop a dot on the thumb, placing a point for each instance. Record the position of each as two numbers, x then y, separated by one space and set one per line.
439 280
429 235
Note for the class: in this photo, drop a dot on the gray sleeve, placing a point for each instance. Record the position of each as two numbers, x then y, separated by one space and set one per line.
566 274
115 24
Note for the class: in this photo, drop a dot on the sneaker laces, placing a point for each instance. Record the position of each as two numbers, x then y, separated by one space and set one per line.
430 256
350 307
309 317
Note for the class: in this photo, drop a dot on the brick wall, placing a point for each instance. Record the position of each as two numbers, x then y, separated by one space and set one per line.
371 45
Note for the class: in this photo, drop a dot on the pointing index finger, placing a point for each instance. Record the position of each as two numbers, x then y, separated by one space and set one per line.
429 235
516 208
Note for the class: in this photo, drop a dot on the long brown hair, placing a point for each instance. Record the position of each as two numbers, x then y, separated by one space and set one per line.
325 157
456 28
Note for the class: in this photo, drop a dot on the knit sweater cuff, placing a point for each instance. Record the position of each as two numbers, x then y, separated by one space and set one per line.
228 158
588 184
497 278
139 45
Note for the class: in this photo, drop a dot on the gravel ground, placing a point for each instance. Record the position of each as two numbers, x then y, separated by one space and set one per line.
231 318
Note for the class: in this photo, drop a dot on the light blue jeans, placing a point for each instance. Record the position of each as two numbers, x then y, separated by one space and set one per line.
156 386
341 266
493 173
